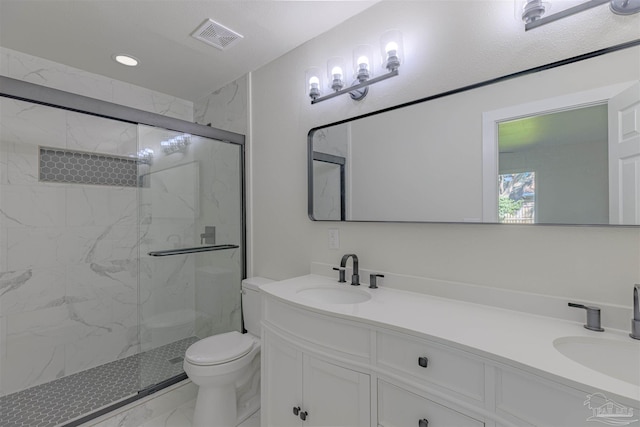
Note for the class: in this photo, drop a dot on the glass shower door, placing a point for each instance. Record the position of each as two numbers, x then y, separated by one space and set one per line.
191 246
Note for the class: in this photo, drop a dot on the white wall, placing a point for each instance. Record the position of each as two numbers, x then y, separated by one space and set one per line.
448 45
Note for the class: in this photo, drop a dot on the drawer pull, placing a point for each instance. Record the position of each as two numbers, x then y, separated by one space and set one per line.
296 410
423 362
303 415
423 423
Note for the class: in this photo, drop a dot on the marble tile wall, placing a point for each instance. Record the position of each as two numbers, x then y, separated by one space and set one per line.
68 252
202 290
68 269
71 255
218 304
32 69
225 108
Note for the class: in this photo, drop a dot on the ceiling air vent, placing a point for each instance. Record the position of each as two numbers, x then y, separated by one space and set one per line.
216 35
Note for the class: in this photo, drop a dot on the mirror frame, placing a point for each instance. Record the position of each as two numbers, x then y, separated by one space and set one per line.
571 60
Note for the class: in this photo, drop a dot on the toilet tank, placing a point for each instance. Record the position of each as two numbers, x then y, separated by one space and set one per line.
251 308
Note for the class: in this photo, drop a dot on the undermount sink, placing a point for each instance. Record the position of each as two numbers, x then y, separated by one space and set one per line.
328 295
617 359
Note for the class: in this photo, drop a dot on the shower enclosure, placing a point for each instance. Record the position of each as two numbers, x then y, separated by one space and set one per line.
121 243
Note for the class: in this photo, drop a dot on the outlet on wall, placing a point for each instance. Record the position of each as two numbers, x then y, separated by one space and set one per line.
334 238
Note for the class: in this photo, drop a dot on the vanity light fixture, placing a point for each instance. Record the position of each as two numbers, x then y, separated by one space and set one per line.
533 10
145 156
391 53
176 144
313 82
127 60
335 73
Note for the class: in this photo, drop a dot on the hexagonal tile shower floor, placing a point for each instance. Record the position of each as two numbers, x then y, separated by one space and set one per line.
66 401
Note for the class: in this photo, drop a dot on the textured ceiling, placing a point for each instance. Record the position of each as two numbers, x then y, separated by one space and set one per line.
86 33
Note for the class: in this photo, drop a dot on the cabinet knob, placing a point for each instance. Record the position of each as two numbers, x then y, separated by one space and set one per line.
423 423
303 415
296 410
423 361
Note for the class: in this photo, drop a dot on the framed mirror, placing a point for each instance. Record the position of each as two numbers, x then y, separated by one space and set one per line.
557 144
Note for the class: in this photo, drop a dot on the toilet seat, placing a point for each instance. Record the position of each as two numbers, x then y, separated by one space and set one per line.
219 349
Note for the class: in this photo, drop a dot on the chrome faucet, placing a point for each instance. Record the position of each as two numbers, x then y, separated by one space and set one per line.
635 322
593 316
355 279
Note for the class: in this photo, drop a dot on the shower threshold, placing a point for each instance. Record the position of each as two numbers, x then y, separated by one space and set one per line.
75 399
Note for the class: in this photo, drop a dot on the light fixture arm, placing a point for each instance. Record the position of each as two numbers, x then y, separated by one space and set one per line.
563 14
357 87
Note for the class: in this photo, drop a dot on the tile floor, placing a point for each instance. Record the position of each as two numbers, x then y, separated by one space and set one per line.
60 401
183 417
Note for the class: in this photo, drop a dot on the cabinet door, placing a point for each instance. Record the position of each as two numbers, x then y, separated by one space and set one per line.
282 382
335 396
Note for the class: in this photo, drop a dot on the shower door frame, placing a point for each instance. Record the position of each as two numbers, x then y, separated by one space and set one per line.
30 92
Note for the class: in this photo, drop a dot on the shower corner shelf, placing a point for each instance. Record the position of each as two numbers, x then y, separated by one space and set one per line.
192 250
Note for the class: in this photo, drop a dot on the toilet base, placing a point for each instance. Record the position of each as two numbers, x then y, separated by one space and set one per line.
227 390
216 407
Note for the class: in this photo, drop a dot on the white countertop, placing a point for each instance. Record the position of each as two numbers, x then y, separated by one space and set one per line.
518 339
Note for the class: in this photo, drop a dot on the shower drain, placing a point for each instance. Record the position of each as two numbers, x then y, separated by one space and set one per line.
175 360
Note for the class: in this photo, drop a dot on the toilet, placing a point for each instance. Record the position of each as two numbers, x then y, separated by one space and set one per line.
223 364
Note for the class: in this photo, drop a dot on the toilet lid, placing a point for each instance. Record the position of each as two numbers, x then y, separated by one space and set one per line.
219 349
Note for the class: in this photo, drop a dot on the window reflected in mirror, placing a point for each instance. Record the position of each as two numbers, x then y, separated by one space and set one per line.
568 150
517 198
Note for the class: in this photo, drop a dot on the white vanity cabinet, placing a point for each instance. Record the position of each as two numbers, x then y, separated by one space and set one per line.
281 382
398 407
310 366
301 388
432 367
373 365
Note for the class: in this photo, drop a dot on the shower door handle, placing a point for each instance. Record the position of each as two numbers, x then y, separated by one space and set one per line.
194 250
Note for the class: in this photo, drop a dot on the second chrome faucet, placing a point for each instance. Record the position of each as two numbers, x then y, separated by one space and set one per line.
593 317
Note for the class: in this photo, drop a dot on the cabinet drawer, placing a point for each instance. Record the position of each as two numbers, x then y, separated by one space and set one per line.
338 335
401 408
445 367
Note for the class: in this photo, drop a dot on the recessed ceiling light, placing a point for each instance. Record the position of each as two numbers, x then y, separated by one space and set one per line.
127 60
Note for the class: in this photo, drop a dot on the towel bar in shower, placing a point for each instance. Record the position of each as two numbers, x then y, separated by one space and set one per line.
192 250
